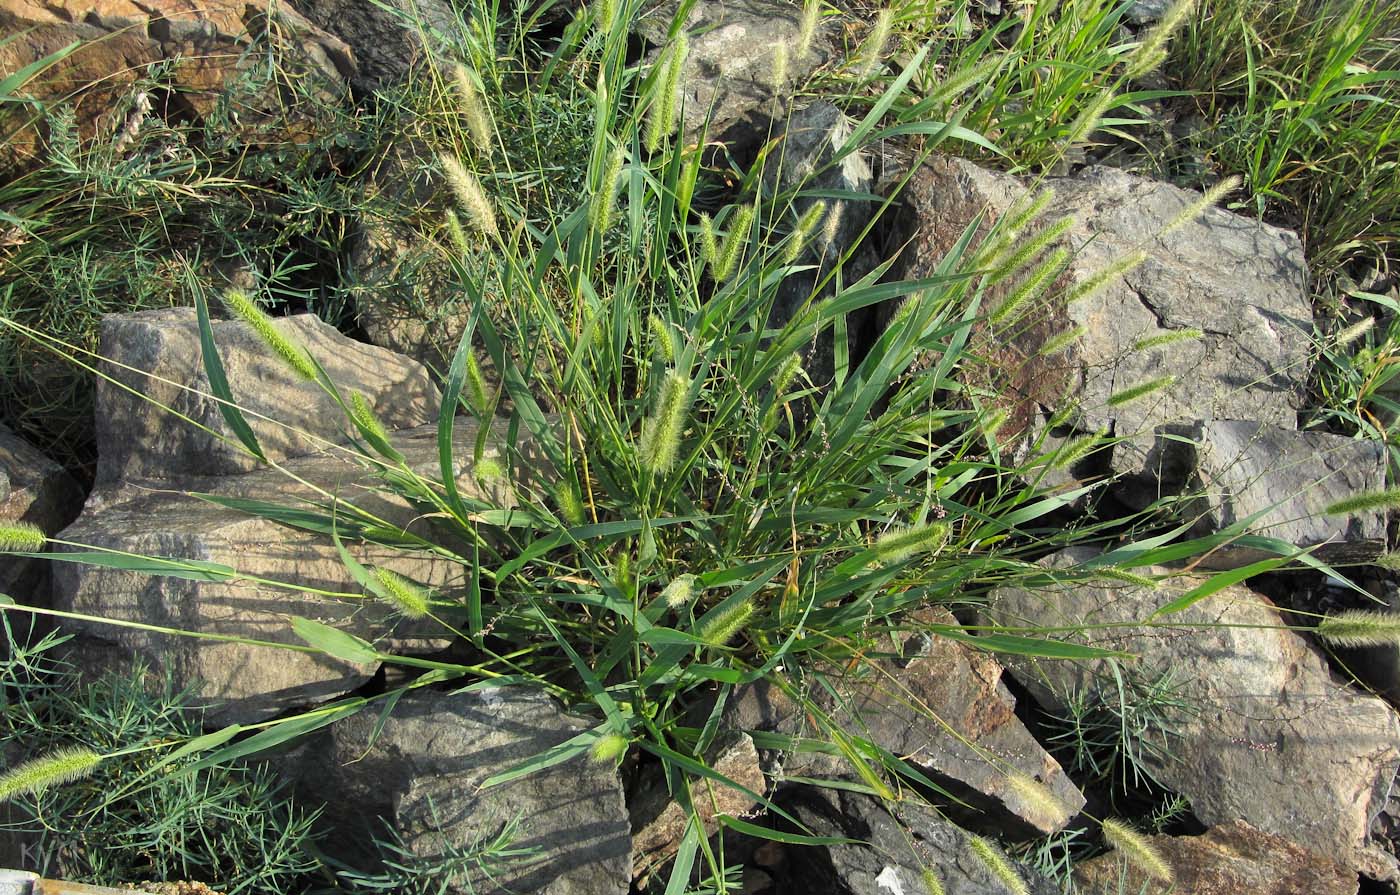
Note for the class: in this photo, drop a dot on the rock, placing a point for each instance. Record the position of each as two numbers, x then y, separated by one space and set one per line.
728 76
1233 469
388 39
1241 282
1227 860
422 775
810 142
1145 12
892 851
1264 732
212 55
36 490
247 682
156 352
659 822
945 710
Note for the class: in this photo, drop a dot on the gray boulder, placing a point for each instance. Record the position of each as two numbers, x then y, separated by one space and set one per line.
156 354
728 76
943 708
242 681
1264 732
1241 282
36 490
421 777
1230 470
892 853
1228 859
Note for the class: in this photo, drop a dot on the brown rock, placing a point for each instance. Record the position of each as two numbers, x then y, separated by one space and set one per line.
208 51
659 822
1229 859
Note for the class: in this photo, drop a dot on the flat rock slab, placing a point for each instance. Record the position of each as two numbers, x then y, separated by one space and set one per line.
248 682
944 709
1266 734
1230 859
1231 470
893 852
421 775
1241 282
157 354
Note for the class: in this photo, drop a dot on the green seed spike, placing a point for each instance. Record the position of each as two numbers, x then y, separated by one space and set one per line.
63 766
21 537
478 393
1074 451
734 242
1063 340
1099 279
717 629
605 200
1139 391
709 247
1031 249
242 305
659 447
1170 337
608 749
407 596
1029 291
663 339
1138 851
998 866
802 234
570 503
901 544
1360 627
1370 502
363 416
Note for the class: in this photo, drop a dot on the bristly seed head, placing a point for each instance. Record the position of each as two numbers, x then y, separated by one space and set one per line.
997 864
241 304
406 595
570 503
21 537
36 775
680 591
364 417
904 543
1369 502
659 446
1360 627
1139 391
718 628
471 198
608 749
1136 849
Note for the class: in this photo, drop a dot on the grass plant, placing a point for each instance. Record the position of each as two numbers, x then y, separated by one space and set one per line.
688 511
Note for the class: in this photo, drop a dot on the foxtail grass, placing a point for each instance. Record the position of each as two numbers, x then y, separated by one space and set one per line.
36 775
241 304
1136 849
21 537
1359 628
403 593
